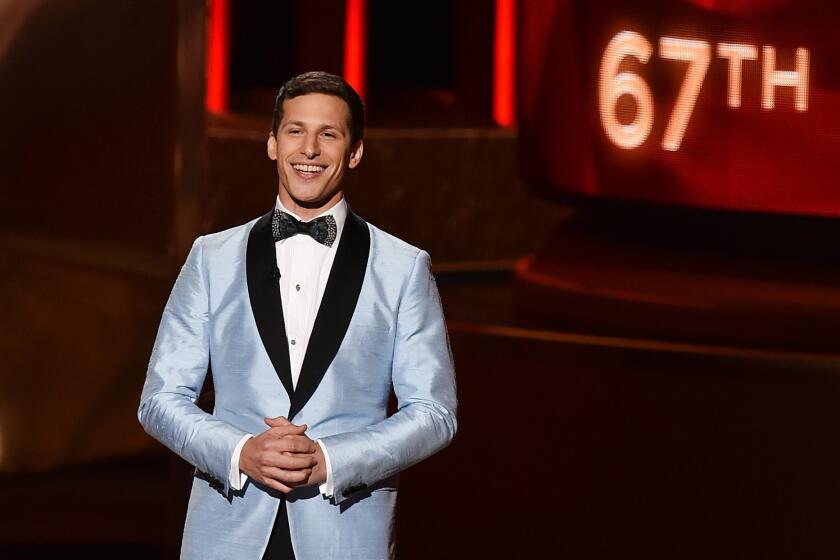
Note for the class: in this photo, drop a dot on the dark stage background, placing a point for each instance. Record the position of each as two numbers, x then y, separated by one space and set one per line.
646 339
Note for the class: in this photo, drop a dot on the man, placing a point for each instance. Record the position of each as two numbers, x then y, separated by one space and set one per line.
310 317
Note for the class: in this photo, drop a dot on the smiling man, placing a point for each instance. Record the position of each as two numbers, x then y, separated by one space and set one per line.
311 318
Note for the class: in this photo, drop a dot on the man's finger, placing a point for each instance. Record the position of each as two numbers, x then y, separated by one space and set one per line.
292 430
291 444
277 421
290 478
289 462
271 483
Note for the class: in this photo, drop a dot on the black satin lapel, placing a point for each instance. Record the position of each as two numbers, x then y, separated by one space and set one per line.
336 310
266 303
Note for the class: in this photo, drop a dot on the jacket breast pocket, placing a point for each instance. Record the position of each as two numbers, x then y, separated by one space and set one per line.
370 333
369 345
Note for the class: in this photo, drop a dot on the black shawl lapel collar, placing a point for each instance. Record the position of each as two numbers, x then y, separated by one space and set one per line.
266 303
336 310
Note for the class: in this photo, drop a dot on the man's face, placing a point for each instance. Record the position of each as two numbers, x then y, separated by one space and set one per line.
313 149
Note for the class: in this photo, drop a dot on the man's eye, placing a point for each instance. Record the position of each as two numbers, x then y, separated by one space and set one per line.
328 134
295 131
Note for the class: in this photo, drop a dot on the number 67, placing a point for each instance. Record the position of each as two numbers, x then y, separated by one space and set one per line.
612 84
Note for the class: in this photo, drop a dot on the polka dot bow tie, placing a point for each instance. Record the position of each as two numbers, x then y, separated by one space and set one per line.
323 229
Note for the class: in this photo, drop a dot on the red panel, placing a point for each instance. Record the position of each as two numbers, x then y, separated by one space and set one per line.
355 43
746 157
504 63
217 57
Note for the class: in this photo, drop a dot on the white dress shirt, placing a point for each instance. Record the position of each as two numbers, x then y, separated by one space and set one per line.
305 267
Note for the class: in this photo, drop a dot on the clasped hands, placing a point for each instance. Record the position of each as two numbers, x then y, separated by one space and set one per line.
283 457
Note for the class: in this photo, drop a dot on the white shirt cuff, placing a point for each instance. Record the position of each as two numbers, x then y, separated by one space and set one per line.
327 487
236 477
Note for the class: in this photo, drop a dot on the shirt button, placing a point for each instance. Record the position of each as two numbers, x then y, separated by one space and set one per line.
297 287
293 342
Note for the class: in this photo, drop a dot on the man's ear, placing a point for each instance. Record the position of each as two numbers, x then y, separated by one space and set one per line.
271 147
356 154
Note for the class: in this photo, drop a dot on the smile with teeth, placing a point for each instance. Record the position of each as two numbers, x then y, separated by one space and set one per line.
308 170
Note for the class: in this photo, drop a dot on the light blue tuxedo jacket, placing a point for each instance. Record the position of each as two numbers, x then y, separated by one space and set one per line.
379 328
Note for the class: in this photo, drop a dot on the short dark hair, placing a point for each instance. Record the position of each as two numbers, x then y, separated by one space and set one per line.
329 84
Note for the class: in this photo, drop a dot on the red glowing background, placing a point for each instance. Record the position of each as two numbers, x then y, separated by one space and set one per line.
749 157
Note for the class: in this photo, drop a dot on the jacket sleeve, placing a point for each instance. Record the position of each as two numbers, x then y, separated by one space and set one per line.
423 377
176 373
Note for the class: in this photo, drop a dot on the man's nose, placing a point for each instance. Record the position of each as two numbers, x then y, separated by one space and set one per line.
311 148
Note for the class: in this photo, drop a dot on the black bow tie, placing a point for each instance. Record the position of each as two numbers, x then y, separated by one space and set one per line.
323 229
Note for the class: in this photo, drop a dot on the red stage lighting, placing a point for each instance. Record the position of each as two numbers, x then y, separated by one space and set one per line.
504 63
355 39
216 99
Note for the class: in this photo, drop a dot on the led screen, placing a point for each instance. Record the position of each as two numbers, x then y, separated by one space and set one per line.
729 104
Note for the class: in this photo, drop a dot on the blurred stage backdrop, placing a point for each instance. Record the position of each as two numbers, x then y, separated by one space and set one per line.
633 212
